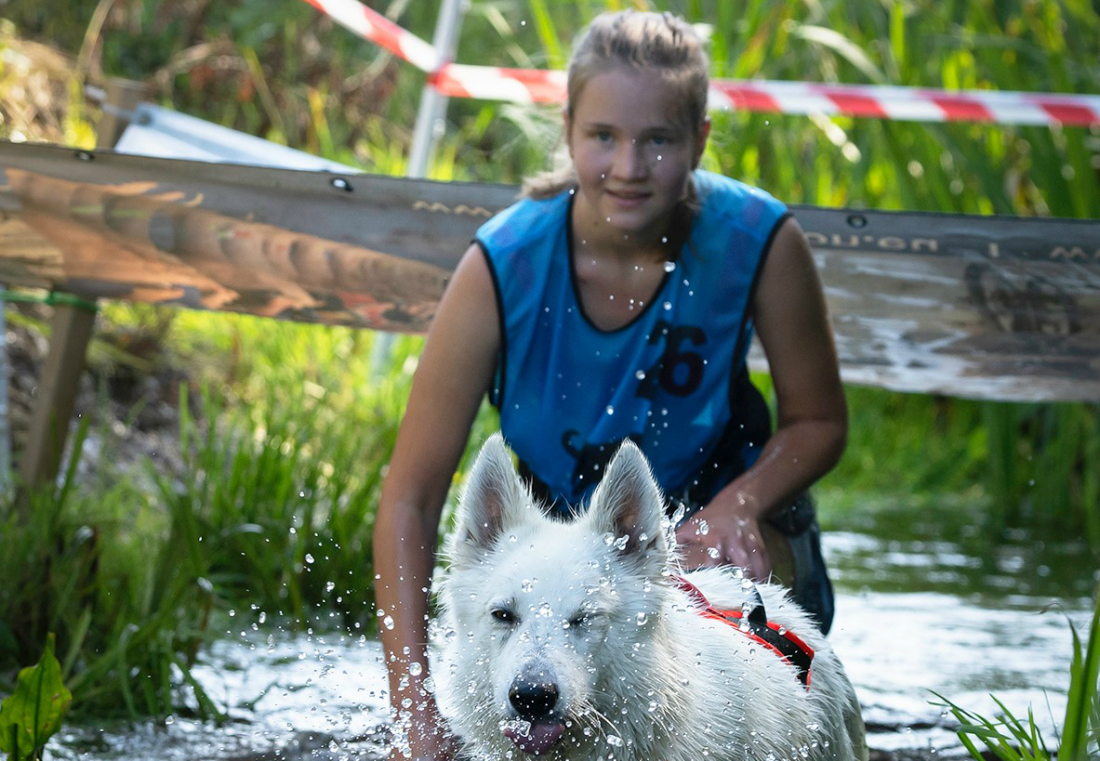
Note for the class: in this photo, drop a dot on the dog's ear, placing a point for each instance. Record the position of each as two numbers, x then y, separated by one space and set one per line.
494 496
628 502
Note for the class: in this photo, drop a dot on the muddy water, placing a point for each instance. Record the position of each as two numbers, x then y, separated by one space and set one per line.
914 616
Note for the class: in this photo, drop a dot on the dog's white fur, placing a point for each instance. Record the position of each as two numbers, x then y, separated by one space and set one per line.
588 607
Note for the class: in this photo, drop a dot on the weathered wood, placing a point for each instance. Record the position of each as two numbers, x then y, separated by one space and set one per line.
982 307
55 398
71 331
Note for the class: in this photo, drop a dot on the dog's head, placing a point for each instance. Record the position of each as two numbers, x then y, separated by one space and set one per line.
552 620
627 505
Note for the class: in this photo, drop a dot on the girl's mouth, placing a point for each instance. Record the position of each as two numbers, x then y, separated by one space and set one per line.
628 198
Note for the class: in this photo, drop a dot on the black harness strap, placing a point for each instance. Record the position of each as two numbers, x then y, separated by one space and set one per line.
754 624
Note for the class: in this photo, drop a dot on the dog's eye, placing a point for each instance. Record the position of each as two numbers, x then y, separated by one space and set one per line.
503 615
577 621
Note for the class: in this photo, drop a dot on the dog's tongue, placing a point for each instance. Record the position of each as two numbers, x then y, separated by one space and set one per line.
539 738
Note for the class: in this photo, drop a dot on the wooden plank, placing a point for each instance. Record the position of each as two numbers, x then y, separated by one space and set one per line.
982 307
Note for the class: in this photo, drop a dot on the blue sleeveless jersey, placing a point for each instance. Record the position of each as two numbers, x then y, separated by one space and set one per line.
673 380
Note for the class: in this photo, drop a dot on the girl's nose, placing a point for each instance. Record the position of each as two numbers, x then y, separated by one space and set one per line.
630 161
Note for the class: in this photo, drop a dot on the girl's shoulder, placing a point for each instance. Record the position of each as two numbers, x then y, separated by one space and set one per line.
525 220
723 196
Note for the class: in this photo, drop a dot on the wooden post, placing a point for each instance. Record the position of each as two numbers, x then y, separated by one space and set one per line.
71 330
55 400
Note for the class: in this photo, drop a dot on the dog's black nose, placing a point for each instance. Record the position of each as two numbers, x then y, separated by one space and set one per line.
533 699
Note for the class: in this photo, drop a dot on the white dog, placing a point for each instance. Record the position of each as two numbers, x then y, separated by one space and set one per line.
578 640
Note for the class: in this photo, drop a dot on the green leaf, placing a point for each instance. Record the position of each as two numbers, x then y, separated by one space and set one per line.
842 46
30 715
1083 689
548 36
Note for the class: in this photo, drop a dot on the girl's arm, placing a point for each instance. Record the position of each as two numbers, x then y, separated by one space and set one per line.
793 324
456 367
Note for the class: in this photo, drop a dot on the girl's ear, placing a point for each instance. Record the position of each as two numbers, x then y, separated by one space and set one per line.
567 126
701 144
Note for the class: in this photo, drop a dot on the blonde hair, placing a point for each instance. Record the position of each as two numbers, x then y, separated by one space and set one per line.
659 42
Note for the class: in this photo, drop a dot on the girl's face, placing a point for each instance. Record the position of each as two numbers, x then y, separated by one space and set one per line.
633 153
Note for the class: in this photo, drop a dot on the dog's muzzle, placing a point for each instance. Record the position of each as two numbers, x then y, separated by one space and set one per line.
533 699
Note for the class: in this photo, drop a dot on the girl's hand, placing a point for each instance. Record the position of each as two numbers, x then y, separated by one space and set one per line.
426 737
721 534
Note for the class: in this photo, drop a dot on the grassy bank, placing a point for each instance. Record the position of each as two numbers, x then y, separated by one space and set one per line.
285 430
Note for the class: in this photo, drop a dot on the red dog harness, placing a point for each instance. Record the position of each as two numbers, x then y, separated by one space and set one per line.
756 626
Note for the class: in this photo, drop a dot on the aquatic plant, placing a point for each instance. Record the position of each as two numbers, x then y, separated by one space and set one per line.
1011 738
92 566
32 714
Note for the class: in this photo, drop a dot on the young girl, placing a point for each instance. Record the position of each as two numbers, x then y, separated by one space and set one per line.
619 302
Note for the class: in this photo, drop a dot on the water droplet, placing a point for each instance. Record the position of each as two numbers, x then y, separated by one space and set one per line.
641 618
610 410
416 669
640 375
169 719
309 558
615 741
667 305
669 266
388 622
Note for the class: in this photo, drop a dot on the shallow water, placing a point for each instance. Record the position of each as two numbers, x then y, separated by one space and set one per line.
913 616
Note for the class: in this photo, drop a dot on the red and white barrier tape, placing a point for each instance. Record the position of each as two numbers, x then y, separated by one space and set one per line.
372 25
892 103
906 103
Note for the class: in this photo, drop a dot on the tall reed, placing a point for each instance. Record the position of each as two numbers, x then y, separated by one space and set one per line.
129 613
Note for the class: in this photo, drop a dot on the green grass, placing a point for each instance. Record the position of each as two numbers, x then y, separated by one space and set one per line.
97 566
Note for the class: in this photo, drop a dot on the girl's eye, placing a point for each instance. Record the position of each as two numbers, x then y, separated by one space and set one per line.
503 615
603 136
660 140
